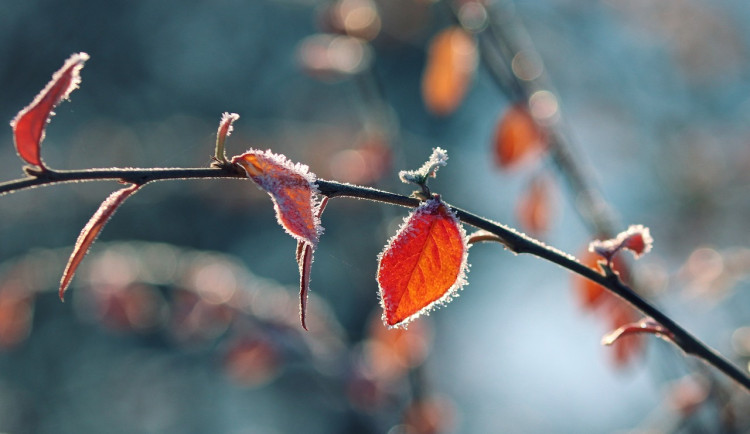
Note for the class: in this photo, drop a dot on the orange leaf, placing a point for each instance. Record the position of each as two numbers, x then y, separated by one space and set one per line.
591 293
28 125
423 265
518 137
91 231
451 61
534 209
292 189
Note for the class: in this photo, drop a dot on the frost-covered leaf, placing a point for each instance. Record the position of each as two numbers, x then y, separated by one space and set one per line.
439 157
637 239
423 265
91 231
304 261
225 129
29 124
292 189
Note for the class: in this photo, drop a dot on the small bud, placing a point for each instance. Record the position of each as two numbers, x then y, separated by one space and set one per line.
637 239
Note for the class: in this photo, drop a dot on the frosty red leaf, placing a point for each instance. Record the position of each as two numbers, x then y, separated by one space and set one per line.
292 189
28 125
91 231
423 264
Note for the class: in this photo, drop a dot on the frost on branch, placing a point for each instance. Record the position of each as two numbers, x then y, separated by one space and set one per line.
292 189
439 157
28 125
423 265
637 239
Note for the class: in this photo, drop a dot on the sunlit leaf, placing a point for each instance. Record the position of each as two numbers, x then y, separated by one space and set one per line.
423 265
91 231
628 346
292 189
451 62
28 125
590 293
304 261
518 138
534 209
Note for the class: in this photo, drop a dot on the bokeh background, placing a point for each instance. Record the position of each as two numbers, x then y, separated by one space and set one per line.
183 318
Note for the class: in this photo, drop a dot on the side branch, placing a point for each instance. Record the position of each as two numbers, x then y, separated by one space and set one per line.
513 240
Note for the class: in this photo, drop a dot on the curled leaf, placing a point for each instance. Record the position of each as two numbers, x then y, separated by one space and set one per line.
590 293
451 61
637 239
518 138
28 125
292 189
91 231
423 265
225 129
304 261
646 325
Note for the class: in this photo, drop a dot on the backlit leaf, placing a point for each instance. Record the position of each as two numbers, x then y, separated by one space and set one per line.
451 61
28 125
590 293
292 189
304 261
518 137
91 231
534 208
423 265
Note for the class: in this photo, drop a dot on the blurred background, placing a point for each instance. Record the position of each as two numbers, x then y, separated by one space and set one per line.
183 317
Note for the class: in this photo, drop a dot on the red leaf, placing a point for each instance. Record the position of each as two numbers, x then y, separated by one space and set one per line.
292 189
28 125
451 61
518 137
534 209
304 261
630 345
91 231
423 265
591 293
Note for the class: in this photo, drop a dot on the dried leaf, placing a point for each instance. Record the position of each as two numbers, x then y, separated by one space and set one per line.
646 325
28 125
304 261
224 131
451 62
91 231
534 209
423 265
518 138
292 189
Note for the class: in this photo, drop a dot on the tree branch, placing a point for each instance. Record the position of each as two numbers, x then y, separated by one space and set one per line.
512 239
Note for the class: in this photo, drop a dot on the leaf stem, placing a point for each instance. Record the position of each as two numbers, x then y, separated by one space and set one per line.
512 239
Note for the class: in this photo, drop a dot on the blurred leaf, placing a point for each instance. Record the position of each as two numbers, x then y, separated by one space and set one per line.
534 209
451 62
518 138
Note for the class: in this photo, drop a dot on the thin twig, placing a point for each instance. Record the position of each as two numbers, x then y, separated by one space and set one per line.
513 240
